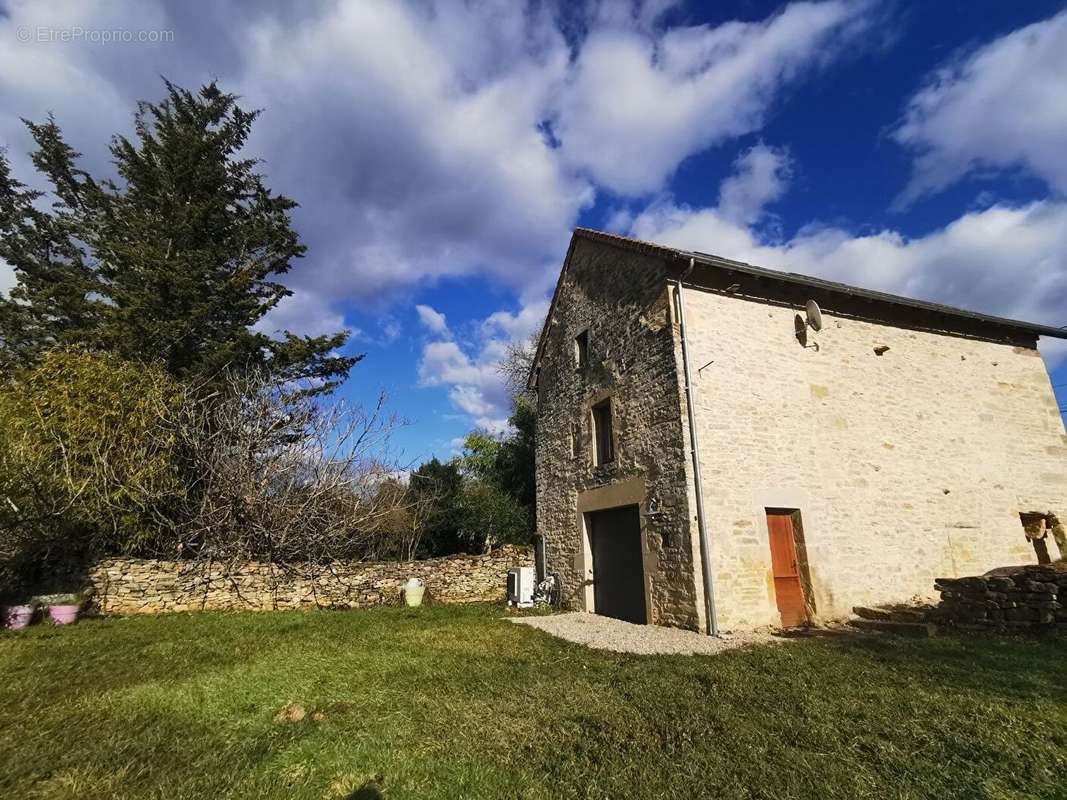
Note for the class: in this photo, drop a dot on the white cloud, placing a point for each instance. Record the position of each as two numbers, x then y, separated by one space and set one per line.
762 177
1004 105
390 329
433 320
470 400
637 104
303 313
518 326
440 169
7 277
477 387
414 134
407 131
1004 260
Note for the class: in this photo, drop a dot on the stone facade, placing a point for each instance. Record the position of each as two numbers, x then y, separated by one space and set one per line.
136 586
910 442
621 299
905 466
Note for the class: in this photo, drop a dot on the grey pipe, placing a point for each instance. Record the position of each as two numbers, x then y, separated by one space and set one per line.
702 527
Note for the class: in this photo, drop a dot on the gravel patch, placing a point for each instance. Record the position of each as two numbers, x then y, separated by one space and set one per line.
605 633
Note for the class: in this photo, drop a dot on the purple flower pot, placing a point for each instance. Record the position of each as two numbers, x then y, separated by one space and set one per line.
17 617
63 615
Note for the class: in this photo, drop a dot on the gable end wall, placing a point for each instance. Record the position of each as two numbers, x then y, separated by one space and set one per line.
621 298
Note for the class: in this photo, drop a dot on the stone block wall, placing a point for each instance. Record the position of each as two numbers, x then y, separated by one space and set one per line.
1025 599
621 299
910 454
912 444
138 586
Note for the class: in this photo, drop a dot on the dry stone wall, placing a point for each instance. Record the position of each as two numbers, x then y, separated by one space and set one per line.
1013 600
135 586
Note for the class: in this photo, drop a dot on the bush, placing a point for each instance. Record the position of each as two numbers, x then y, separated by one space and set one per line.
491 517
86 455
99 456
279 475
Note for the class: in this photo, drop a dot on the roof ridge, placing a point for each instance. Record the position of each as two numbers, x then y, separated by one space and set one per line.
816 282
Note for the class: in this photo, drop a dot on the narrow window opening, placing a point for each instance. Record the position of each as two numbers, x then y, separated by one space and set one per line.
581 350
575 440
602 432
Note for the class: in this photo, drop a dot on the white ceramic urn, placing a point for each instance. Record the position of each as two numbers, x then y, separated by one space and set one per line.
413 591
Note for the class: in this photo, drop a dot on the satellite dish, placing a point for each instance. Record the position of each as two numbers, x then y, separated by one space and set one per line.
814 315
801 330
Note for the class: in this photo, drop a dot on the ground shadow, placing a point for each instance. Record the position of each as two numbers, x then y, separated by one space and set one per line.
368 791
995 666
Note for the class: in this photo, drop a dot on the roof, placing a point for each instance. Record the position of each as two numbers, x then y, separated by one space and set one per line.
949 313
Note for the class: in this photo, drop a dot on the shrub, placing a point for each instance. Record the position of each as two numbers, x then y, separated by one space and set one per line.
279 475
491 517
86 455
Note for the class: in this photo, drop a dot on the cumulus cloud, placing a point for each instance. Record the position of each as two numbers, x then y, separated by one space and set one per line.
1004 260
518 326
761 177
433 320
637 104
302 313
1003 105
477 387
427 139
408 132
7 277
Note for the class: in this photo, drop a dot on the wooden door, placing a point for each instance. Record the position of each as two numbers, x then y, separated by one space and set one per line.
788 590
618 566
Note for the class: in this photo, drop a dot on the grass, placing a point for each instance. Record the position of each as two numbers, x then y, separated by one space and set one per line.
454 702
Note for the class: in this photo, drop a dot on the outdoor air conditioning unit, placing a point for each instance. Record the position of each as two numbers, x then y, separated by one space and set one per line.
521 587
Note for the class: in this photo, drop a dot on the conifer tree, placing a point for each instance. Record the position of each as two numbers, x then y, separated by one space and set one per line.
174 261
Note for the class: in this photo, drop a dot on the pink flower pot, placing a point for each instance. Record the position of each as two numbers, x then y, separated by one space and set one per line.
17 617
63 615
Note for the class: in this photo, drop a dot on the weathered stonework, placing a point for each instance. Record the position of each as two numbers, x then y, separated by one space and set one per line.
909 441
1028 599
905 466
136 586
621 298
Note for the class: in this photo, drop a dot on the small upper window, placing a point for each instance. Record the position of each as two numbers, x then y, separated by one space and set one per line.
576 433
581 350
602 432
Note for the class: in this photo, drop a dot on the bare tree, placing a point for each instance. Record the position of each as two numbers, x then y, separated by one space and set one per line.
281 476
517 363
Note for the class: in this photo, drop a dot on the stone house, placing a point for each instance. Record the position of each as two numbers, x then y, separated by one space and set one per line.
805 471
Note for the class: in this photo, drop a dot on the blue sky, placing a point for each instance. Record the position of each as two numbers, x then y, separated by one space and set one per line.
442 152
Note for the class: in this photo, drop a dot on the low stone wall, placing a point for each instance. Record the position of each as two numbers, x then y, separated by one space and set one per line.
137 586
1012 599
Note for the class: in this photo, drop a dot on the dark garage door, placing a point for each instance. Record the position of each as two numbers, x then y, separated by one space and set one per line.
618 575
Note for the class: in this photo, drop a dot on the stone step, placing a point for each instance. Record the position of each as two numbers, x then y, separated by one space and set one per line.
892 614
918 629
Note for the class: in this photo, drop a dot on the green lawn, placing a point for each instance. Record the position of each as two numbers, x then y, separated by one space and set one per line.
455 703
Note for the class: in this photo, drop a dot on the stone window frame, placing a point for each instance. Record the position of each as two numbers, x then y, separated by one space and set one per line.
595 402
581 350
